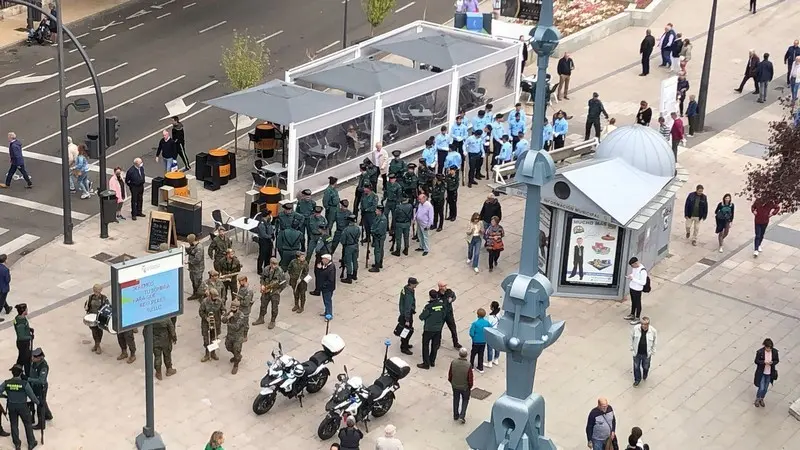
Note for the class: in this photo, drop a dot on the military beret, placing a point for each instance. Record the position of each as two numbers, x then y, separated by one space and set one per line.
306 192
318 209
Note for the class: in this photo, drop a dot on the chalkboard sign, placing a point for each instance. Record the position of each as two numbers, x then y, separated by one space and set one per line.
160 230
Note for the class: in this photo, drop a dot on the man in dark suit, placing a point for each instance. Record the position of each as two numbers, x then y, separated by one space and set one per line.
5 285
134 178
646 49
577 259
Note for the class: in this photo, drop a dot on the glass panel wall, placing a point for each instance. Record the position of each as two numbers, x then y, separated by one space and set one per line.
415 116
333 146
486 86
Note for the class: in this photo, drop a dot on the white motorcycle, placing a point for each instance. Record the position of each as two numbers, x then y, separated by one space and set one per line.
290 377
352 398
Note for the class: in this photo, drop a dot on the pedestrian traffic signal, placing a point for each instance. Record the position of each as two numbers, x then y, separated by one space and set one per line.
112 130
92 146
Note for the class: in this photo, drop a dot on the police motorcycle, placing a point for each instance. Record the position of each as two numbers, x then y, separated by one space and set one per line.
290 377
352 398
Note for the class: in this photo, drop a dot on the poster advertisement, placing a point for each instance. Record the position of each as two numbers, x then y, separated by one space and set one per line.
669 99
147 289
591 253
545 218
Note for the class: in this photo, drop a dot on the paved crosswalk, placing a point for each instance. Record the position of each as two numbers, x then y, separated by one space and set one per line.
11 242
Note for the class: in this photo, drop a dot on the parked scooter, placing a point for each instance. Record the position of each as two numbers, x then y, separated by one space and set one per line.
352 398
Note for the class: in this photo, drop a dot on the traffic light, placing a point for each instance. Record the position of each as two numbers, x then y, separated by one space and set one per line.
92 146
112 130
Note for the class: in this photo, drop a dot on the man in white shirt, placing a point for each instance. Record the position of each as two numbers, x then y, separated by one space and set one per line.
638 279
643 346
381 161
72 152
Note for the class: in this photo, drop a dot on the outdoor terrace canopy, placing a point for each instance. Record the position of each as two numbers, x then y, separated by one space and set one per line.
434 47
365 78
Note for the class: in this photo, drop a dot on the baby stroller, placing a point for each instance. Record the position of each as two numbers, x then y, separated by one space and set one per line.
39 35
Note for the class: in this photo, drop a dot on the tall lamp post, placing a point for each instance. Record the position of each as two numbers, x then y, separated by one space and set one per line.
344 28
702 97
525 330
101 115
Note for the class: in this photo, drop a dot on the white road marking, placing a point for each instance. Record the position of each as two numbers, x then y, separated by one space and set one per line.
189 5
405 7
328 46
18 243
75 49
90 90
9 75
3 231
135 26
40 206
45 61
76 37
270 36
107 37
178 107
163 4
138 13
213 26
163 15
56 92
105 27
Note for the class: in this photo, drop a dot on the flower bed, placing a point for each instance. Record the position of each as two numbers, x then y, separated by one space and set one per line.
642 4
571 16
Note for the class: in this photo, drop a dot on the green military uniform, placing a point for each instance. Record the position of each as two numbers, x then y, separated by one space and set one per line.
289 242
290 219
408 307
424 176
379 229
330 201
24 334
92 306
211 306
229 267
197 266
392 196
410 182
305 207
163 338
313 230
17 392
274 280
451 183
434 317
397 166
342 219
297 272
373 172
437 192
237 330
350 237
245 297
216 250
363 180
38 381
368 204
404 213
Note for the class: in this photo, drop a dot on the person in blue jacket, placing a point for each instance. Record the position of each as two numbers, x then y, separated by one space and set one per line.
17 161
476 332
5 285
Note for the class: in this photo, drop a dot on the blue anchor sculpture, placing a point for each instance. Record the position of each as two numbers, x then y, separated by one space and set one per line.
525 329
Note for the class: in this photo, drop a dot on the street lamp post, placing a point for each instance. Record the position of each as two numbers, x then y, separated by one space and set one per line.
702 97
344 28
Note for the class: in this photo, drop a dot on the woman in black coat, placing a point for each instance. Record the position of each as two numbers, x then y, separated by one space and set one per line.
766 374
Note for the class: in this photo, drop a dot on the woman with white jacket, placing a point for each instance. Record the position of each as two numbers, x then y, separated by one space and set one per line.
493 355
382 163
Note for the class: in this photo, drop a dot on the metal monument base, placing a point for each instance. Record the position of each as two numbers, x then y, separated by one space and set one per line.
153 442
515 425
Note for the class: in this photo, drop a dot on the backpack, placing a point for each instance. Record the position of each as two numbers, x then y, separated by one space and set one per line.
725 212
647 288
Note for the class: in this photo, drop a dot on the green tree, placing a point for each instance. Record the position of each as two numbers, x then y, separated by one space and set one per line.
245 63
376 12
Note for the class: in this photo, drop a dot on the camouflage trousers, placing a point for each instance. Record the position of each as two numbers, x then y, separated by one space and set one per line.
229 286
196 277
234 346
299 288
158 353
204 328
126 342
266 300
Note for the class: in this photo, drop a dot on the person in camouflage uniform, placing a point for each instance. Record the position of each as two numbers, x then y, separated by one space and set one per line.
245 298
197 265
410 182
369 201
330 200
437 198
96 301
305 207
229 269
219 245
424 176
342 215
379 229
272 284
163 338
212 308
314 233
213 282
237 329
298 269
363 178
451 186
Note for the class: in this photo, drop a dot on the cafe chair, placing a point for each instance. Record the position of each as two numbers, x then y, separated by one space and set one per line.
259 180
253 140
217 215
260 165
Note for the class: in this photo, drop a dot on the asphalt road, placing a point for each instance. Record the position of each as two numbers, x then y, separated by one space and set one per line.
147 53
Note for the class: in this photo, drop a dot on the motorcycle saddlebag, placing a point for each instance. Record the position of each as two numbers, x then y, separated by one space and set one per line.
397 368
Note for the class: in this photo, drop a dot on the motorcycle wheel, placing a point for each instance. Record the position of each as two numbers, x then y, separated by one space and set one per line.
383 406
316 384
263 403
328 427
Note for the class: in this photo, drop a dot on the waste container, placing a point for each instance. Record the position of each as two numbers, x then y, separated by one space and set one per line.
271 196
108 206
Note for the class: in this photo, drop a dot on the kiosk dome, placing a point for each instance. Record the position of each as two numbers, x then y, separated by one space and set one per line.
641 147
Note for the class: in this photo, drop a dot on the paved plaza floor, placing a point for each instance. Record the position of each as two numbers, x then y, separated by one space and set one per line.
711 309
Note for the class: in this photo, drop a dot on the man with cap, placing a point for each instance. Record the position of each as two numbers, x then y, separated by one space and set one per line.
442 144
453 158
211 310
272 284
369 201
237 329
289 242
403 214
245 299
382 163
363 178
429 157
298 270
313 231
326 283
459 131
229 269
392 195
265 231
448 298
219 245
350 237
17 392
437 198
324 247
197 265
305 207
342 219
451 186
405 321
410 182
330 200
38 381
396 166
434 317
379 228
213 282
163 338
288 218
474 148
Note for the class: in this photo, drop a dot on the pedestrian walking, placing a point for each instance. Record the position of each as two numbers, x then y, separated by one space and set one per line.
664 130
686 54
424 219
635 440
665 45
601 426
179 136
644 339
646 49
683 86
645 114
350 436
17 162
794 79
405 321
762 212
167 151
491 208
237 329
766 373
494 241
764 74
81 172
638 283
593 116
474 238
723 214
789 57
5 285
461 381
560 129
135 180
434 318
695 210
215 441
750 71
493 354
326 284
564 68
476 333
692 110
675 53
388 441
676 133
117 184
72 154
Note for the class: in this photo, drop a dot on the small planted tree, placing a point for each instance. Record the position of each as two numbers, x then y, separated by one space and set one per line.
777 179
245 63
376 12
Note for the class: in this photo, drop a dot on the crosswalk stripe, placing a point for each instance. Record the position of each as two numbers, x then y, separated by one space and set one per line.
40 207
3 231
18 243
